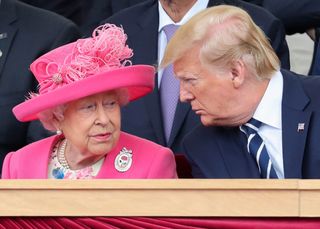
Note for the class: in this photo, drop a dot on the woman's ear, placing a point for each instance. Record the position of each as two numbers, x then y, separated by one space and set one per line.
57 122
238 73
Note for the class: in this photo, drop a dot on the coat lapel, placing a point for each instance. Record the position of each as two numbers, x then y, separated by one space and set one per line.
295 125
7 31
239 163
148 54
152 103
179 118
37 166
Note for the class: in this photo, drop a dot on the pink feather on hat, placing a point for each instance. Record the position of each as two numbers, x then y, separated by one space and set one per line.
85 67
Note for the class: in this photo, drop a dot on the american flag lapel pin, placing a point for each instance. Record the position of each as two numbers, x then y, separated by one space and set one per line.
300 127
3 35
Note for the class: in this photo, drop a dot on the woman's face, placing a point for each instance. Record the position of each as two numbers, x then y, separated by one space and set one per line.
92 124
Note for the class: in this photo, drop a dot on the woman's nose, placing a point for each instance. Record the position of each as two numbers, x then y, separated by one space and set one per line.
102 117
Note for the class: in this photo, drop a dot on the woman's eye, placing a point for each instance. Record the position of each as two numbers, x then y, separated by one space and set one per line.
110 104
88 107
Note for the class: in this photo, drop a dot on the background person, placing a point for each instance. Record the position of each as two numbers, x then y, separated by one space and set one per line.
26 33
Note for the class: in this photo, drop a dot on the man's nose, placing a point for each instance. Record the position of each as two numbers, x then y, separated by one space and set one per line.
185 95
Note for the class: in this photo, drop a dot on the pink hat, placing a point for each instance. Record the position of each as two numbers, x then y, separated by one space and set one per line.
86 67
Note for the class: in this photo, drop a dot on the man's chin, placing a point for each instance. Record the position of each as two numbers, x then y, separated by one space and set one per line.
207 122
214 122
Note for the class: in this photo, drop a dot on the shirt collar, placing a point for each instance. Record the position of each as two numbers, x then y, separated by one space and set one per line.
269 108
164 19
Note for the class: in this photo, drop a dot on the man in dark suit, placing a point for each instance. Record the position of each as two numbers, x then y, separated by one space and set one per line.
26 33
258 121
142 25
297 16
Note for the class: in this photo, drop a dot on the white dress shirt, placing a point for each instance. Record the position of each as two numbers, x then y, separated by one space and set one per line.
269 113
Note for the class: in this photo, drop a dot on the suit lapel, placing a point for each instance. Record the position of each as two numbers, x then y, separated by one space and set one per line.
37 168
148 54
145 36
152 103
239 163
7 30
295 125
179 117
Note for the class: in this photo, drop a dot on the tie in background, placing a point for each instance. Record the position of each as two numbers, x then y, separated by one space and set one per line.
257 148
169 89
315 67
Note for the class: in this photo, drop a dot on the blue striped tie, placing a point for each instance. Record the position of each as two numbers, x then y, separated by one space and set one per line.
257 148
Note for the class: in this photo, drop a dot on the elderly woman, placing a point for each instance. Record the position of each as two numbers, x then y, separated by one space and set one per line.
81 88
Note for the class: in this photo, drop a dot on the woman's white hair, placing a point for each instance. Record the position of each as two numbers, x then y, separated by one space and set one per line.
50 116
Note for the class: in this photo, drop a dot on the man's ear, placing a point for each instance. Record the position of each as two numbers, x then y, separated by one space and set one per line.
238 73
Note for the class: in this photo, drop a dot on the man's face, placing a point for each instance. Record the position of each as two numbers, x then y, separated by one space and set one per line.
210 93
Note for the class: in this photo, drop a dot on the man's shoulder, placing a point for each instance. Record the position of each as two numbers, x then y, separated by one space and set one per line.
27 13
311 85
126 16
255 11
301 89
42 29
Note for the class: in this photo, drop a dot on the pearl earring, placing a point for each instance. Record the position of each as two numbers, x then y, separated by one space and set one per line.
59 132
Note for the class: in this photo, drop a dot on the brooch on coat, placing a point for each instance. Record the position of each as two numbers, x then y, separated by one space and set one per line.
123 161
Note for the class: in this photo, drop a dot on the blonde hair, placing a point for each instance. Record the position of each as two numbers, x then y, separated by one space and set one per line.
224 34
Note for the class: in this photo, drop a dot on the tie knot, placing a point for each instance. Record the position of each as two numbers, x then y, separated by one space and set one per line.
254 122
169 30
251 127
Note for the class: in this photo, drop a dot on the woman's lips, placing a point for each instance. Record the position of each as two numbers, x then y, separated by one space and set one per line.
102 136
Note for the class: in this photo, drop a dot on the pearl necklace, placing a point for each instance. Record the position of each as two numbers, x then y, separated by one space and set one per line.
61 154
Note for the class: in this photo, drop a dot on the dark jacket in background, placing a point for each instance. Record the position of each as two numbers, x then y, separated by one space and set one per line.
26 33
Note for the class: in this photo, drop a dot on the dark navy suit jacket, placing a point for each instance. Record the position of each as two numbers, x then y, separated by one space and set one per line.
26 33
141 22
218 152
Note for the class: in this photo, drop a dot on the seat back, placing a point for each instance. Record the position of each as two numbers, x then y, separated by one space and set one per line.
183 166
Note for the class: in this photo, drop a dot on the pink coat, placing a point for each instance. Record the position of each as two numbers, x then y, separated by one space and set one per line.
149 160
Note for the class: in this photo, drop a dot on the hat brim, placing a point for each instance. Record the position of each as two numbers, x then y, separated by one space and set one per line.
138 79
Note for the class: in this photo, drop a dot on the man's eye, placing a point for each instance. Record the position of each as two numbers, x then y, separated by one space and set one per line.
189 80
